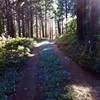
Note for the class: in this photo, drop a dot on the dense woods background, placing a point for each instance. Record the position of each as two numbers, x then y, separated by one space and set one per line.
74 25
41 18
47 18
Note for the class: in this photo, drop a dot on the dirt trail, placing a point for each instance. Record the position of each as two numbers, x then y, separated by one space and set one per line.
28 88
81 80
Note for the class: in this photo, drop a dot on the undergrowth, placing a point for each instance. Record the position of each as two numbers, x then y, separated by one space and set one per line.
13 55
81 53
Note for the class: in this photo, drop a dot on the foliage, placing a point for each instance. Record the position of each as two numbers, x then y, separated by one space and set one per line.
14 52
69 93
87 58
13 55
14 43
69 37
71 25
81 53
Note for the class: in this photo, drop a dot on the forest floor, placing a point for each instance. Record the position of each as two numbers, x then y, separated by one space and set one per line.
82 81
28 87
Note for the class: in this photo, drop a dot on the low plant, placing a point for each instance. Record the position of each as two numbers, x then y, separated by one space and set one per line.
13 55
81 53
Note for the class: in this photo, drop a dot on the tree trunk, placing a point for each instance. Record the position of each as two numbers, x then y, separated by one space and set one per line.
31 23
23 25
59 29
94 23
36 26
80 16
62 27
42 26
1 18
66 9
45 19
10 24
1 26
19 26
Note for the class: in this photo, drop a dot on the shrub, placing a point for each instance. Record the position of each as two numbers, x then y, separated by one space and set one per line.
69 93
81 53
18 46
69 37
14 43
13 55
71 25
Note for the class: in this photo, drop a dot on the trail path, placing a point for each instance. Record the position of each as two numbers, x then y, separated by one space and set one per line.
29 87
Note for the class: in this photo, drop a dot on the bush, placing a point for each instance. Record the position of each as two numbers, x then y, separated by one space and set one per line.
14 43
69 37
88 58
69 93
13 55
71 25
13 52
81 53
18 46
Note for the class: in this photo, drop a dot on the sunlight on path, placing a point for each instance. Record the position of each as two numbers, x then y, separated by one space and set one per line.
43 43
51 74
51 69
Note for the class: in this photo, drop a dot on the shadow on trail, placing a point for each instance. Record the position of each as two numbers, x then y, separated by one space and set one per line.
47 73
51 73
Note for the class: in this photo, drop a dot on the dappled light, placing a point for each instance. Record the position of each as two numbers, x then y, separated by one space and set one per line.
49 49
43 43
31 55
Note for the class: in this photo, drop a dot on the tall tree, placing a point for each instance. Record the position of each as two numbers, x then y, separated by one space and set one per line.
80 19
10 23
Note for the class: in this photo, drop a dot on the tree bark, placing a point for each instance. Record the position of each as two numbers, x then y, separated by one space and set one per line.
59 28
10 24
94 23
80 16
36 26
31 23
19 24
45 19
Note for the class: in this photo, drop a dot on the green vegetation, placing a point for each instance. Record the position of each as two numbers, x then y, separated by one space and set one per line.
45 19
15 51
69 37
13 55
81 53
70 93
